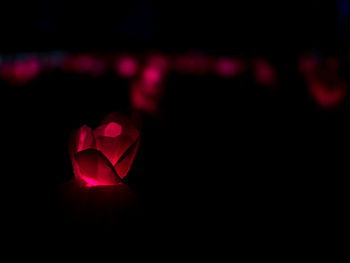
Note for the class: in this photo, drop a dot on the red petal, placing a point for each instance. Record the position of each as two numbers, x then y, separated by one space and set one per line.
80 140
95 169
123 165
113 148
111 129
118 118
130 126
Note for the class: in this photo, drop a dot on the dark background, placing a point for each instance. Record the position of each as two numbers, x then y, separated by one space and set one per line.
228 156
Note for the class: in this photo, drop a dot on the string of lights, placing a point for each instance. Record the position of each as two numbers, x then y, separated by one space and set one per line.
147 72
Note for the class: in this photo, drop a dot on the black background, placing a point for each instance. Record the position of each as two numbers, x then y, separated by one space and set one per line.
228 156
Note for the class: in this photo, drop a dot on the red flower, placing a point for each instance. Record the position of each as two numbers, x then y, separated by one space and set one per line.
104 156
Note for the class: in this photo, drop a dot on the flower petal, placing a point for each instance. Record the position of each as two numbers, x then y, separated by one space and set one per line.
130 126
112 130
95 169
113 148
80 140
124 163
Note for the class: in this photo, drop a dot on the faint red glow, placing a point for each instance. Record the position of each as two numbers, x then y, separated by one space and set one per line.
88 64
90 205
227 67
323 82
147 91
308 64
21 72
104 156
264 73
6 71
158 61
67 63
126 66
193 63
332 64
51 61
145 99
328 94
85 64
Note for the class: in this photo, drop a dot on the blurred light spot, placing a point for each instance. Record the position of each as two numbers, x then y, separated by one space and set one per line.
21 72
158 61
308 64
126 67
143 102
192 64
152 76
226 67
87 64
332 64
264 73
327 90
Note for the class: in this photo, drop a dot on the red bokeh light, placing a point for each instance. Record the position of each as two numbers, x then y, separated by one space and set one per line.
193 63
158 61
126 66
152 76
264 73
228 67
328 95
22 71
145 98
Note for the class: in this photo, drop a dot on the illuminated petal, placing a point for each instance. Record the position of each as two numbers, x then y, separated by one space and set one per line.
129 126
80 140
95 169
124 163
113 148
227 67
111 130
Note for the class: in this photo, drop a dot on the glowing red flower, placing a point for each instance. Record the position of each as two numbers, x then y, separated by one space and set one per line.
104 156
